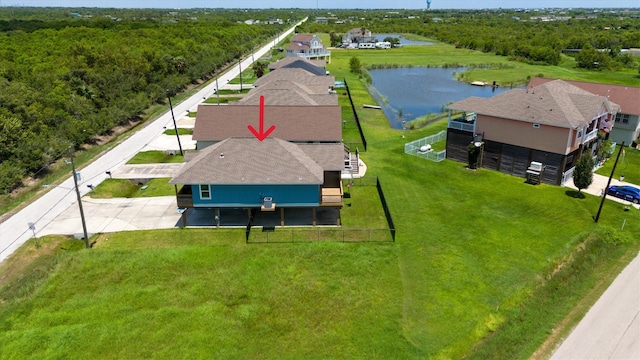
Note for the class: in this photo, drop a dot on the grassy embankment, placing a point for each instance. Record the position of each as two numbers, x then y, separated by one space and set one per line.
472 249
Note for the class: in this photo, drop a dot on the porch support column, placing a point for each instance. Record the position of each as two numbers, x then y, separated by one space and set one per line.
217 217
314 216
281 216
184 218
338 217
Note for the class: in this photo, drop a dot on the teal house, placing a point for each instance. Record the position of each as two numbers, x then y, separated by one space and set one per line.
273 175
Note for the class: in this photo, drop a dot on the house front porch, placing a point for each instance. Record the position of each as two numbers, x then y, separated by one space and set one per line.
237 217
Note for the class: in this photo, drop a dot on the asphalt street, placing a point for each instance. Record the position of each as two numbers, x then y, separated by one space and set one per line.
38 215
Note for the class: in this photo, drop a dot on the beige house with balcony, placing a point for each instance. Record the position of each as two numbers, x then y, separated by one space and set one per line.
309 47
627 120
553 123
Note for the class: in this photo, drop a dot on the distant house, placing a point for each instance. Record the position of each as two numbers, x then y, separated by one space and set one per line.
358 36
299 124
627 120
298 75
308 46
287 92
316 67
554 123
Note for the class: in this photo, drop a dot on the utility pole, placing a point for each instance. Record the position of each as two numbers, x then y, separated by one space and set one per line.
217 90
174 123
609 183
240 67
75 182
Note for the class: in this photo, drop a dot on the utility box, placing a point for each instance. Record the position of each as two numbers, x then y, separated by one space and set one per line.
267 202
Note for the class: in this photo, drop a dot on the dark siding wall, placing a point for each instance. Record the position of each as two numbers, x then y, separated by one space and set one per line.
506 158
457 142
491 156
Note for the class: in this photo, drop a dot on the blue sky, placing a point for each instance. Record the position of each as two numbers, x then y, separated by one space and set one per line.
327 4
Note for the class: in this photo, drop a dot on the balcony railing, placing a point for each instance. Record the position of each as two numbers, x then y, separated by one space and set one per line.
590 136
464 126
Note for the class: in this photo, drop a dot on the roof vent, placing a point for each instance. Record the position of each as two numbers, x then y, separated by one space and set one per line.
221 155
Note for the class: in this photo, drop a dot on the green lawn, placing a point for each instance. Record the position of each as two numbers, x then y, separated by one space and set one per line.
155 157
628 165
472 249
114 188
222 100
181 131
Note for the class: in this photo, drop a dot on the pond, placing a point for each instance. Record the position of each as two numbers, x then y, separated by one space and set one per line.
403 40
419 91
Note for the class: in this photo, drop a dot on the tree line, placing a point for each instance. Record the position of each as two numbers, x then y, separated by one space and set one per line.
521 36
66 80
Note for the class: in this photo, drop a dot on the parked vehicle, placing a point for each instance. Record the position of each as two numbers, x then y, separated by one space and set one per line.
629 193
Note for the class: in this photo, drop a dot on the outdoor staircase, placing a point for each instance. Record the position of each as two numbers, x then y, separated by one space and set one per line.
351 161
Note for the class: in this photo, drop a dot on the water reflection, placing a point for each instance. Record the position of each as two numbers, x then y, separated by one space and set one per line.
420 91
403 40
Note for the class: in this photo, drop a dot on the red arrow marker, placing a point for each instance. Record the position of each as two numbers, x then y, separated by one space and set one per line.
262 134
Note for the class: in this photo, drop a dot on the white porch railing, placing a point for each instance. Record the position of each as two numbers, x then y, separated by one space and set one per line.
590 136
567 175
471 127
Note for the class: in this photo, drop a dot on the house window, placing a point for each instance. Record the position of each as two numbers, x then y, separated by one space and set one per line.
205 192
579 134
623 118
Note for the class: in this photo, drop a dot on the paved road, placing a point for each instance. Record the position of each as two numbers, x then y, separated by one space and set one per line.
611 328
15 230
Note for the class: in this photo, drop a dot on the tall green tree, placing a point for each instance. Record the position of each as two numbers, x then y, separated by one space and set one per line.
355 65
583 173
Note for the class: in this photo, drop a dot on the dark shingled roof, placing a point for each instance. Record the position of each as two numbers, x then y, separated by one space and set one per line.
250 161
628 97
286 92
291 62
556 103
293 123
297 75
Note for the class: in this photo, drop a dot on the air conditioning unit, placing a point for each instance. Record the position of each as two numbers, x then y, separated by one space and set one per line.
267 202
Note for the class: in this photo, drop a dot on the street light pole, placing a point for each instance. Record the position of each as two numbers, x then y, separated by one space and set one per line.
75 182
174 124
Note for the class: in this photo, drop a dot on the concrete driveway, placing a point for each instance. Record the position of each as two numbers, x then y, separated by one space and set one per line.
599 185
114 215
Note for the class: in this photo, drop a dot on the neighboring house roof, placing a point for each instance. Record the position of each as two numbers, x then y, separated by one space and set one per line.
556 103
302 38
250 161
298 46
286 92
293 123
298 75
329 156
628 97
315 67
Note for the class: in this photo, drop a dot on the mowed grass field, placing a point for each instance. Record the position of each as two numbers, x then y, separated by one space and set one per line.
472 253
